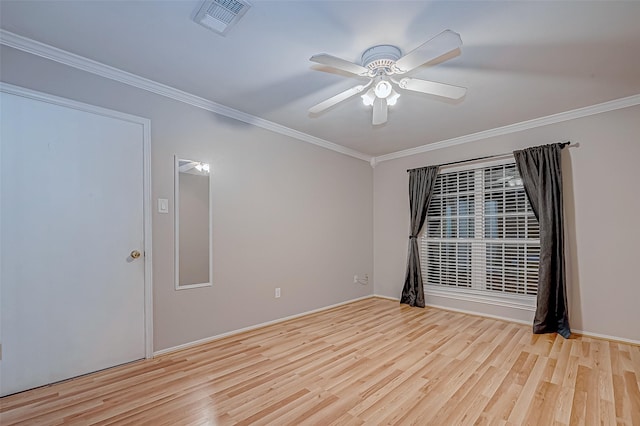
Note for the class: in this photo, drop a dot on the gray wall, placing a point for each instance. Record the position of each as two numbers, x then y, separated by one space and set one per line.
285 213
602 207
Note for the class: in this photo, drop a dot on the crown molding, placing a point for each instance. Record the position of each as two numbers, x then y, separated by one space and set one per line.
516 127
46 51
80 62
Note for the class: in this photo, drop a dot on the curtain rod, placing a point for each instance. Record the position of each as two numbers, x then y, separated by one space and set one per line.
562 145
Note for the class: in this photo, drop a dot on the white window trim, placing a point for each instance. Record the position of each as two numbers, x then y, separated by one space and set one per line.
505 300
522 302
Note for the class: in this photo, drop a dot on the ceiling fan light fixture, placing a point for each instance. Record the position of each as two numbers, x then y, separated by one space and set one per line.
368 97
380 63
393 98
382 89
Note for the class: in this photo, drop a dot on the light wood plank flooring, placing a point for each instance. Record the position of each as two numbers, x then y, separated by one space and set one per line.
370 362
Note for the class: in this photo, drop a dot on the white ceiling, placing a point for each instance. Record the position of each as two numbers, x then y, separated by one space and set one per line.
520 60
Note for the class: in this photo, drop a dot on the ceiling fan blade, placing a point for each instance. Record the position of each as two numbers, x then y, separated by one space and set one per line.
445 42
340 64
432 88
336 99
379 111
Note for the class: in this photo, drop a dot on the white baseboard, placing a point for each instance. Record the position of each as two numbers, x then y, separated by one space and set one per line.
462 311
573 331
606 337
395 299
478 314
525 304
253 327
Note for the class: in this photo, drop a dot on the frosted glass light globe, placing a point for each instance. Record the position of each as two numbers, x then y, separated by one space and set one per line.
382 89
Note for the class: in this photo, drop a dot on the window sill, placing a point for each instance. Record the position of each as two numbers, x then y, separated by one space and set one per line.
526 303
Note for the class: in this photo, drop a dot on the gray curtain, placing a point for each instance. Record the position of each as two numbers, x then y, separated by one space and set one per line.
542 179
421 184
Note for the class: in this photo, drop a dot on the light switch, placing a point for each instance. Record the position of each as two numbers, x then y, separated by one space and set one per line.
163 205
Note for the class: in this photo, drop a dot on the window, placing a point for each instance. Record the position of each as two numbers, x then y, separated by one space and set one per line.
481 234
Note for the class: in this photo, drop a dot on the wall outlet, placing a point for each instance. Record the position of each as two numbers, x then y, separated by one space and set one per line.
355 279
277 292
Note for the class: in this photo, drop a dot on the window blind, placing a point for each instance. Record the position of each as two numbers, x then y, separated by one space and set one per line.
481 233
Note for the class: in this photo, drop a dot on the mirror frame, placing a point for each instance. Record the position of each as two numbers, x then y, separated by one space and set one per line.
176 227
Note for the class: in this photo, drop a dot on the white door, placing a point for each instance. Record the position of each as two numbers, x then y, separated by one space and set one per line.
72 199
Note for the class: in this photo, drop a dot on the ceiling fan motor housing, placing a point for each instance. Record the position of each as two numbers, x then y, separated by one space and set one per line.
381 57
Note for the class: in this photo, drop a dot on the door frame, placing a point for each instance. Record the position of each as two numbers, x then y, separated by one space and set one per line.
146 176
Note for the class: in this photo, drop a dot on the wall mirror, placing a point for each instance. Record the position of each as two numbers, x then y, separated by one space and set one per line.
192 224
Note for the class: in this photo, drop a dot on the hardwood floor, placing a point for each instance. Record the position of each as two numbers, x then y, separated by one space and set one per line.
370 362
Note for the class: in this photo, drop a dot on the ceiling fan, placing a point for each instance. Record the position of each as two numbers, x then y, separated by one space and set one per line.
381 63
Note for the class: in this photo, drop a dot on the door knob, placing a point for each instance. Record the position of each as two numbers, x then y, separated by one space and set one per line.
135 254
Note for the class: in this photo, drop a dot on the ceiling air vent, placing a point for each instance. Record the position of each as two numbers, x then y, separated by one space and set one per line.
220 15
